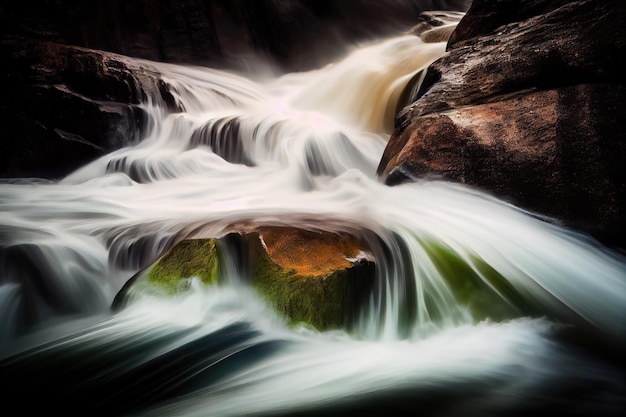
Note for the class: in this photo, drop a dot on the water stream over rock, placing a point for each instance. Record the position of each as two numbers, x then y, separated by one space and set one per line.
469 313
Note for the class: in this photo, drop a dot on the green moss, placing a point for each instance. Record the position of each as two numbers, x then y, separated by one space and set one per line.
323 303
320 302
193 258
475 284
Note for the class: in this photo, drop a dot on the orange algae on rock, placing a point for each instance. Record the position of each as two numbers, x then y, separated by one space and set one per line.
311 253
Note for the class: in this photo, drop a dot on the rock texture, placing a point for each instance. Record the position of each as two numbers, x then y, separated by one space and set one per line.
64 105
528 103
311 278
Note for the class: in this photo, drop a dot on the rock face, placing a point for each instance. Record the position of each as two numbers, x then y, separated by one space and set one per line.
528 103
317 279
65 105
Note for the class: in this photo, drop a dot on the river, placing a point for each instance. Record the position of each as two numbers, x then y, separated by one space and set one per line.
301 150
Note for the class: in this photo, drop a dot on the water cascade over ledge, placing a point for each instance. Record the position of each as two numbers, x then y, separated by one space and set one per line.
472 293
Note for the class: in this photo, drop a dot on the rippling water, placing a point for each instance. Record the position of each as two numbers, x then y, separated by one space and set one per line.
301 150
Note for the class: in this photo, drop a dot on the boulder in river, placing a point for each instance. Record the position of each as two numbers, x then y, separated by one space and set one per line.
313 278
526 104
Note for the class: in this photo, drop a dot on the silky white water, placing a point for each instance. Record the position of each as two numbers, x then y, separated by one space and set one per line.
302 150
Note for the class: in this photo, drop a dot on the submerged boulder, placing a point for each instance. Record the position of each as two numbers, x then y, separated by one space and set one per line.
526 104
313 278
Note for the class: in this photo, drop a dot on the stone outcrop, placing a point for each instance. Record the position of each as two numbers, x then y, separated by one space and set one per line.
528 104
311 278
64 105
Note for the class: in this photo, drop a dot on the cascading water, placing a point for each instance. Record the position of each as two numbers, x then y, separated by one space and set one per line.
471 292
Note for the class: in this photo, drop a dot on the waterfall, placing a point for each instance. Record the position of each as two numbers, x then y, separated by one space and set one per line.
470 290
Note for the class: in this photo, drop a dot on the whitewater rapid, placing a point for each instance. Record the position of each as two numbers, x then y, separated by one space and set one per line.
298 150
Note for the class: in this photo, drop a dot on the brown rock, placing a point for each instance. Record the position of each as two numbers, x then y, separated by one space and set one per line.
64 105
582 42
485 17
529 108
317 254
317 278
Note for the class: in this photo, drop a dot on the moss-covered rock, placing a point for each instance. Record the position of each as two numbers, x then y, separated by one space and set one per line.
479 287
194 258
317 279
475 285
190 261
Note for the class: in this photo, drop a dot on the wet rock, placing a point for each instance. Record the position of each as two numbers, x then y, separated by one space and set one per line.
64 106
311 278
436 26
526 104
316 278
224 138
189 263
